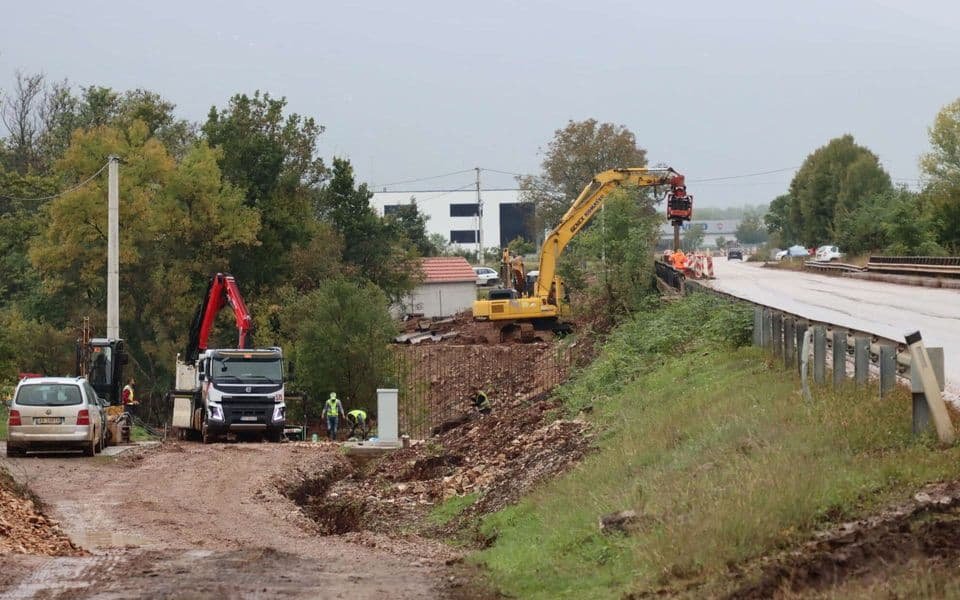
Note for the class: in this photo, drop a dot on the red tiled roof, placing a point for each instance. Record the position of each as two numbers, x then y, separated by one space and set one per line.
446 269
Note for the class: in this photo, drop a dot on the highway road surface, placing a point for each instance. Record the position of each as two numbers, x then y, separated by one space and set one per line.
886 309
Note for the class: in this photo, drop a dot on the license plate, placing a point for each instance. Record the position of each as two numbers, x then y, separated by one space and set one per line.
248 418
47 420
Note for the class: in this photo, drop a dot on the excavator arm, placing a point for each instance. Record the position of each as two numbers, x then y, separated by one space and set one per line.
585 206
221 291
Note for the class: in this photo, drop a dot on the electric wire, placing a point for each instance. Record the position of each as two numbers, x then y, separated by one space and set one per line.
386 185
60 193
783 170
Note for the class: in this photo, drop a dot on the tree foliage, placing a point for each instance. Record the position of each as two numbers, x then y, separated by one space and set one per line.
340 341
572 158
941 167
752 229
832 182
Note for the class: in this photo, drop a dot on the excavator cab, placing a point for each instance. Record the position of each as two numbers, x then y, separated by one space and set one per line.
102 360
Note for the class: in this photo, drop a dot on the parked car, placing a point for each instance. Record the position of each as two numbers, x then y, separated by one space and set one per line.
828 253
735 253
55 413
486 276
792 251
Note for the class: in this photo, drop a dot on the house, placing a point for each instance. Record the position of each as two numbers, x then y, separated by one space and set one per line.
448 287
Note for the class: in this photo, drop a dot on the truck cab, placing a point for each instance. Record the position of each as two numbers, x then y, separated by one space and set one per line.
232 391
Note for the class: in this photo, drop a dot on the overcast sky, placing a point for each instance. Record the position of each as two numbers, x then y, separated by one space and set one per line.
413 89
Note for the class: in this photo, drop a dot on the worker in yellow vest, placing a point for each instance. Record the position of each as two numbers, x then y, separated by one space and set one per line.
333 410
358 420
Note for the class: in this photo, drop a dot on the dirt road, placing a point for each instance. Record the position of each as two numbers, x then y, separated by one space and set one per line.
194 521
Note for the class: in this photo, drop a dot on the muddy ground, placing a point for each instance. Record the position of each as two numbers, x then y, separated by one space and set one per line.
194 521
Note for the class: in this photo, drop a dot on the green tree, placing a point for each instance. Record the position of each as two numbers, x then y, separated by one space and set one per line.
373 247
751 229
832 182
341 333
692 238
179 222
617 284
411 224
572 158
721 242
272 158
941 167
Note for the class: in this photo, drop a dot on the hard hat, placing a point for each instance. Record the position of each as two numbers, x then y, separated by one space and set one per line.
333 395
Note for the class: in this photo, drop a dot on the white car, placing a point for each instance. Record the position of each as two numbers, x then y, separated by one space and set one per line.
486 276
828 253
54 413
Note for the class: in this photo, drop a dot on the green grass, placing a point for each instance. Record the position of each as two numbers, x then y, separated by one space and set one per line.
716 450
139 434
446 511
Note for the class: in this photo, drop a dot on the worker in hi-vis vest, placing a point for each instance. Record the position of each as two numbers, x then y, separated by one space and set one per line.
333 410
359 421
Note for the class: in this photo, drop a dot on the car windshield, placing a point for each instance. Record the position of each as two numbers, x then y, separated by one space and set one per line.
235 369
53 394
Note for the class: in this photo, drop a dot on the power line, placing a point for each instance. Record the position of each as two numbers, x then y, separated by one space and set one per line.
61 193
385 185
745 175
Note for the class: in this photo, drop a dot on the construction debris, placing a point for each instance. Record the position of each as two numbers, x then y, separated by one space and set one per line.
24 529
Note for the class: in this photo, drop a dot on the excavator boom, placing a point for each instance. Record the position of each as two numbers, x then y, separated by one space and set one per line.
542 307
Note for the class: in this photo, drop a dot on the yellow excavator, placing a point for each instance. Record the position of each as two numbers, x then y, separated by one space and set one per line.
540 308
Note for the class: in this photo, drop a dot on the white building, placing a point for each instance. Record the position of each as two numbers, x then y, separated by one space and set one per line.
454 214
449 286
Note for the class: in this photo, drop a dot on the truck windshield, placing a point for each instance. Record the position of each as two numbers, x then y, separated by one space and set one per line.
235 369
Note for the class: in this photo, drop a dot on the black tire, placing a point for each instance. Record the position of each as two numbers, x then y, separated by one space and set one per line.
205 436
90 449
274 436
14 451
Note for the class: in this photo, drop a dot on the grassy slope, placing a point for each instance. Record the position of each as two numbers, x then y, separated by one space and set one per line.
716 450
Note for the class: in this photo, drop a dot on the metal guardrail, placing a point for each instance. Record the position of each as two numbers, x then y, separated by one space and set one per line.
832 266
783 332
668 275
916 265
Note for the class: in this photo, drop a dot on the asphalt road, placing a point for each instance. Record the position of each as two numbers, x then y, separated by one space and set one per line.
886 309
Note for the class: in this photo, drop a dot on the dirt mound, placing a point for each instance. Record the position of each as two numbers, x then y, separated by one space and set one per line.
926 528
495 457
24 529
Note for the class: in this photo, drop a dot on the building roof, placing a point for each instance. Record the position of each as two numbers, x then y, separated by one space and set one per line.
446 269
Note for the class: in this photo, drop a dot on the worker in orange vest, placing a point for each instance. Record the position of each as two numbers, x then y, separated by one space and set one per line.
679 260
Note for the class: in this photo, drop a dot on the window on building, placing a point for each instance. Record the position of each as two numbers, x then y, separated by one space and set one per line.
463 236
464 210
391 209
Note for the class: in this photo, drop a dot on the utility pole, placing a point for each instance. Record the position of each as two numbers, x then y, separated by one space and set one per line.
479 221
113 248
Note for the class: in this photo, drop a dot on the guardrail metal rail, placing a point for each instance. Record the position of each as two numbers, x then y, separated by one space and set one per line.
916 265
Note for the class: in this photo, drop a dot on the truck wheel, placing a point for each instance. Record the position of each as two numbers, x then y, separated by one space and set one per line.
274 435
205 436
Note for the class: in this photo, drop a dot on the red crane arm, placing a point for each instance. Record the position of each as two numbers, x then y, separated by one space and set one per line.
221 291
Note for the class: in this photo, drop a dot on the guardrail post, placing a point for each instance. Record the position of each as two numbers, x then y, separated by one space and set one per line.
801 331
921 411
777 338
767 329
820 354
861 359
839 356
758 326
888 369
789 341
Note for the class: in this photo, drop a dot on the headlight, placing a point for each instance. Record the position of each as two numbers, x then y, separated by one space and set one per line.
279 397
278 412
215 412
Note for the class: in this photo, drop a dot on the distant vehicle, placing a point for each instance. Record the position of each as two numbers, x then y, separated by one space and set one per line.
55 413
828 253
792 251
486 276
735 253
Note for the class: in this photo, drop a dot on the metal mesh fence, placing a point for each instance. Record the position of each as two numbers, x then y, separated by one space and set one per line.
435 381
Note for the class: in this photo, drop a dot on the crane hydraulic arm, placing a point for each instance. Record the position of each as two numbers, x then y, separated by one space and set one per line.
221 291
585 206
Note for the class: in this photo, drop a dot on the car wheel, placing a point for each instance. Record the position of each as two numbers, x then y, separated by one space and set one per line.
13 451
90 449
